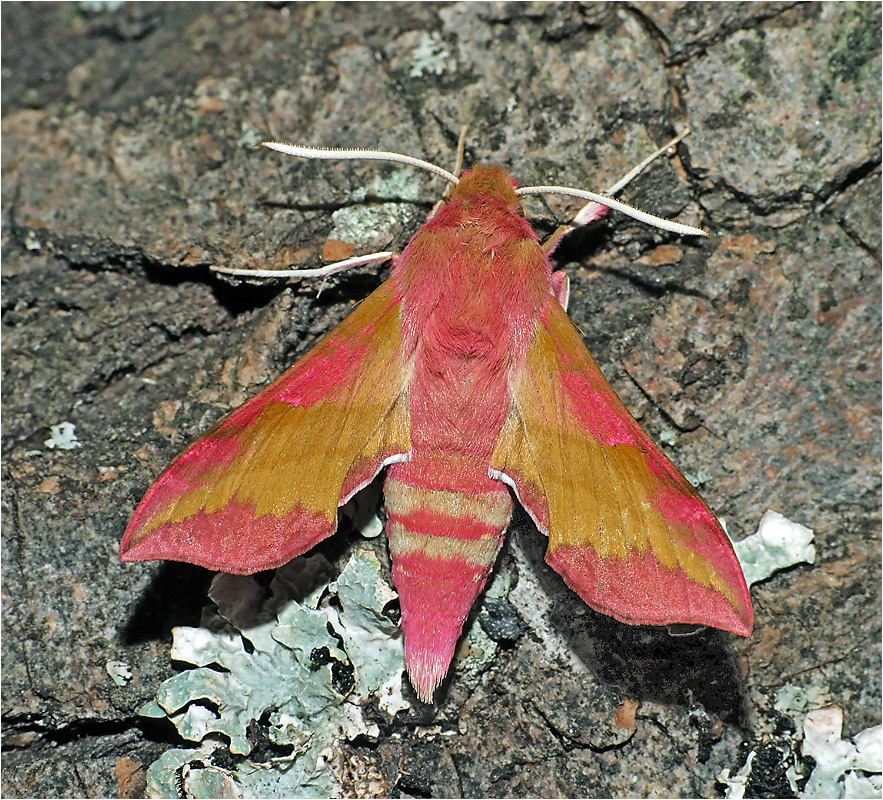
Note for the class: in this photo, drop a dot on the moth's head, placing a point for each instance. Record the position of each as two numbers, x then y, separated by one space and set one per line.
485 183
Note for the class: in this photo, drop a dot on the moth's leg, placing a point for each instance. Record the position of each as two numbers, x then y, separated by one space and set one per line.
318 272
594 211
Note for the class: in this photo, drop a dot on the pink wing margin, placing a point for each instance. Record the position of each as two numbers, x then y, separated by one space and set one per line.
627 531
264 484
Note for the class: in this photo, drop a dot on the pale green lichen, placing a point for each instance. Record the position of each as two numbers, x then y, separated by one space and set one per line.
63 437
668 436
368 223
736 783
361 511
842 769
263 676
795 700
699 478
369 636
431 55
119 671
779 543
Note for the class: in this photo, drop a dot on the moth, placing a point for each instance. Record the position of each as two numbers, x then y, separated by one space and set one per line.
463 377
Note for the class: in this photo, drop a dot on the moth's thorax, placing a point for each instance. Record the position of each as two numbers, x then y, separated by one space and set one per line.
472 282
474 270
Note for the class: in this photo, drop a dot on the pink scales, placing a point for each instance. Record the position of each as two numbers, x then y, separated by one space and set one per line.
472 282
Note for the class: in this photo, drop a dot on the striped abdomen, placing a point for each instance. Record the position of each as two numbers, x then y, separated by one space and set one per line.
443 540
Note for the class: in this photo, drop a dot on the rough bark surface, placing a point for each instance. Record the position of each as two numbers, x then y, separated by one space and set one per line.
127 169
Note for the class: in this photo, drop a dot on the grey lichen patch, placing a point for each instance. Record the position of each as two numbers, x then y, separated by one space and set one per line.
778 544
824 764
381 207
431 56
273 689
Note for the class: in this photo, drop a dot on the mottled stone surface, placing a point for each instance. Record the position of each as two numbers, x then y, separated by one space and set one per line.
127 170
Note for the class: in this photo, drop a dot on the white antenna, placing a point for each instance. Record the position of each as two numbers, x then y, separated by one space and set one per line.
591 211
596 208
371 155
609 202
318 272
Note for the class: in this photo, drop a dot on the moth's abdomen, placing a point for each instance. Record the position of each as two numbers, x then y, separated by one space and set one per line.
443 539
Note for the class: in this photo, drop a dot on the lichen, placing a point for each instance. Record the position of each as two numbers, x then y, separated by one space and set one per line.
431 55
778 543
843 769
120 672
376 209
840 768
63 437
265 699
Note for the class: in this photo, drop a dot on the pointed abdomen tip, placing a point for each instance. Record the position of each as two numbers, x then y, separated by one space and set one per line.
427 666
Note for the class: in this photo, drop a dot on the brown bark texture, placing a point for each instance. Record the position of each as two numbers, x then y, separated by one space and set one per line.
128 168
